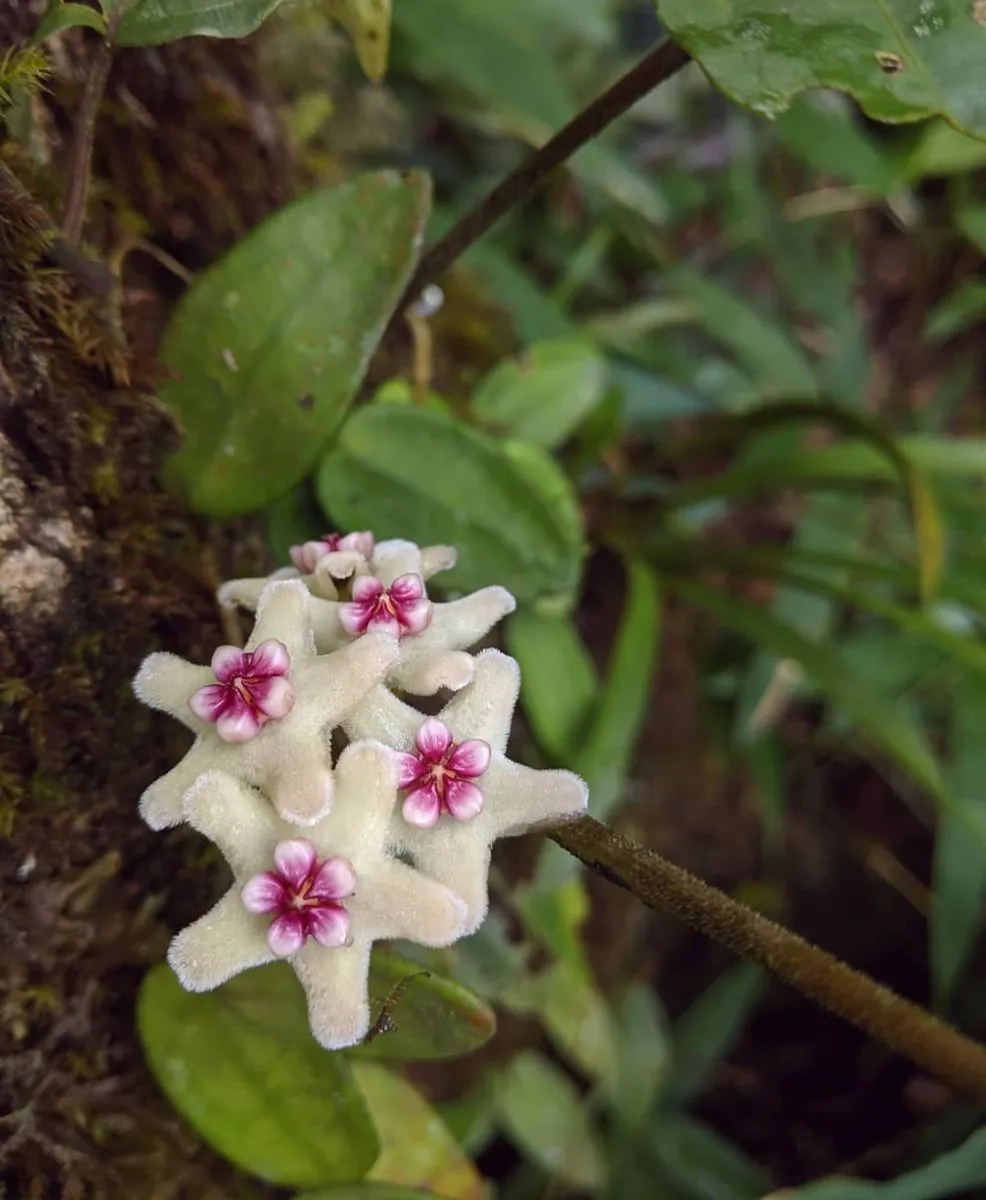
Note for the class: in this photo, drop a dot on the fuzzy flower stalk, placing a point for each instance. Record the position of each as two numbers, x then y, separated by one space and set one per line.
394 839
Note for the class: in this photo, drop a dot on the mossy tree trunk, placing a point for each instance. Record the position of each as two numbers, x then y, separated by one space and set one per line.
98 567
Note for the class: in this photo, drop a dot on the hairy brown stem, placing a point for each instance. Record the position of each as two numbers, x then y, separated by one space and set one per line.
83 136
660 64
904 1027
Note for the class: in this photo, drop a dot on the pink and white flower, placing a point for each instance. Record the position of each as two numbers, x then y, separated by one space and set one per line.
307 556
403 608
440 774
304 894
252 689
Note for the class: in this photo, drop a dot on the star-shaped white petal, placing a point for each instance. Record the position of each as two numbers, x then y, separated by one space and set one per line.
516 798
289 757
391 899
434 658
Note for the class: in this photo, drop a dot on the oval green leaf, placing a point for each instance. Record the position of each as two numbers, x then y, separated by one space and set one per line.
901 60
66 16
416 1149
154 22
416 473
267 349
425 1015
543 395
241 1066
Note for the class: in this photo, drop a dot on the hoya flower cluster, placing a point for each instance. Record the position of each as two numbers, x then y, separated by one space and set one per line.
391 839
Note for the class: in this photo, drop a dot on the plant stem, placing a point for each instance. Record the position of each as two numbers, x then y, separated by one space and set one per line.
83 136
902 1026
661 63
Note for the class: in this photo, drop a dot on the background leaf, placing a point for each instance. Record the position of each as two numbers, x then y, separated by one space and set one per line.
368 24
558 680
544 394
416 1150
418 474
153 22
762 53
65 16
539 1107
609 743
267 348
242 1066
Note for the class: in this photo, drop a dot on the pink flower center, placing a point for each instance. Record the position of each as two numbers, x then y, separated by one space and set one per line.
303 895
252 688
439 776
403 608
306 556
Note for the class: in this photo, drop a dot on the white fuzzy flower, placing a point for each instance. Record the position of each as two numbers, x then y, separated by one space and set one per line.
320 901
462 792
260 714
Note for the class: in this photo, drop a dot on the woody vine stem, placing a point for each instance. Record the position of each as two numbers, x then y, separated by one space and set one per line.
902 1026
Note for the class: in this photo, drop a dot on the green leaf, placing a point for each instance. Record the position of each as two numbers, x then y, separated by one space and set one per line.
430 1017
416 1149
959 873
971 219
834 143
612 736
901 60
267 349
368 1191
768 353
368 23
65 16
643 1055
574 1014
543 395
950 1174
882 722
540 1110
706 1032
293 519
153 22
941 150
410 472
701 1162
558 681
241 1065
964 306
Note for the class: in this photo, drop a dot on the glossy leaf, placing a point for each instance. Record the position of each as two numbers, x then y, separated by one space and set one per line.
416 1150
414 473
959 873
883 723
705 1033
368 24
956 1171
606 755
267 349
543 395
902 60
427 1016
541 1111
154 22
66 16
558 680
240 1064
